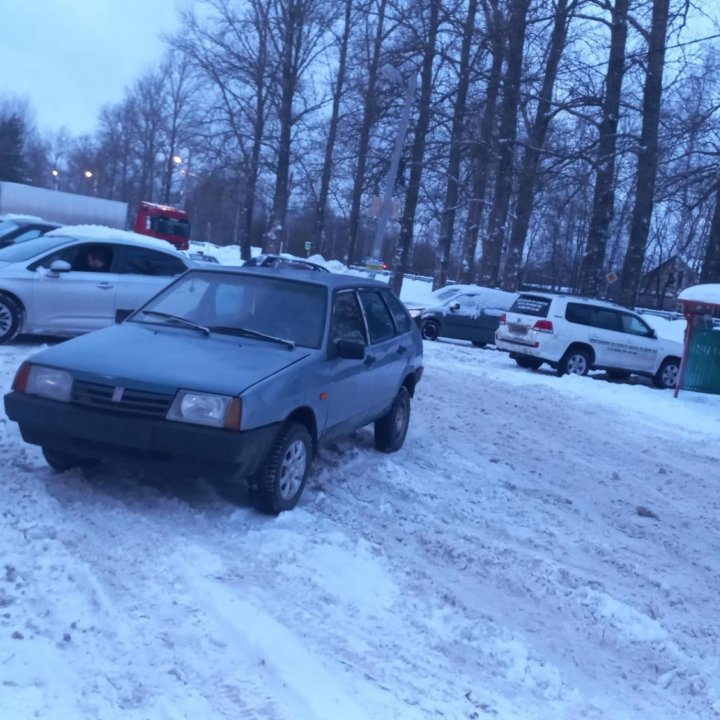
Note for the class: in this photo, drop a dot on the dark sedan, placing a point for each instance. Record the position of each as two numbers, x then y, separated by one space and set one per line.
473 315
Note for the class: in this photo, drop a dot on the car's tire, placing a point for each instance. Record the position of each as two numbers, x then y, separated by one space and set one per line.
529 363
281 480
391 428
430 329
478 343
576 361
668 374
10 318
618 374
61 461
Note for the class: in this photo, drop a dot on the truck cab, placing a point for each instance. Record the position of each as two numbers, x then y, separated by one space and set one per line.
164 222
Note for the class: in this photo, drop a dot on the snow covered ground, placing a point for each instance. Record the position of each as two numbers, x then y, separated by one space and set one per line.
541 548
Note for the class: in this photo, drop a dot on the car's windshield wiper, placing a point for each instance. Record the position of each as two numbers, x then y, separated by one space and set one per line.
178 319
246 332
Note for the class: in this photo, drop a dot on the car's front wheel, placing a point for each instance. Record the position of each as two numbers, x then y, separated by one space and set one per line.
576 361
391 428
430 329
530 363
668 374
10 317
281 480
61 461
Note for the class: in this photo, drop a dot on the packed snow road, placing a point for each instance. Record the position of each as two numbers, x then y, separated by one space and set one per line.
541 547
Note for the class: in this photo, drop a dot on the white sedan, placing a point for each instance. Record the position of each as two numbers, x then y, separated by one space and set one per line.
75 279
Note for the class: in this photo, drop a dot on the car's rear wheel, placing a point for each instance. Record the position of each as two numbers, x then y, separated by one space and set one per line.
528 362
10 318
430 329
61 461
668 374
281 480
391 428
576 361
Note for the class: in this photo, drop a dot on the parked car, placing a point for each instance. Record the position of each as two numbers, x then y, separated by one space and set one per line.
201 257
74 279
576 334
372 263
275 362
18 228
286 261
464 312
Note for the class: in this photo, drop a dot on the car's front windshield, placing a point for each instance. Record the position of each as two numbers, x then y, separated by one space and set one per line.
30 248
6 227
234 303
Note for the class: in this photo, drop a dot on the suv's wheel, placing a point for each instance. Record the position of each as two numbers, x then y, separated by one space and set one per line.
430 329
281 480
528 362
10 316
576 361
391 428
61 461
668 374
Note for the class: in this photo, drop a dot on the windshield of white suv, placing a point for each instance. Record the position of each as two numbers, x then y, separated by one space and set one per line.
534 305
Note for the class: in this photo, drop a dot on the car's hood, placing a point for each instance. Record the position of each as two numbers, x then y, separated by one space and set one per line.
164 360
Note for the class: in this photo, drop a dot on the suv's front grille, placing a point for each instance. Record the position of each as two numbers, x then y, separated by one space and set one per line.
130 402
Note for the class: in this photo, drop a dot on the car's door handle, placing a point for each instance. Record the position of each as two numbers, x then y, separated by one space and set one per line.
370 360
105 285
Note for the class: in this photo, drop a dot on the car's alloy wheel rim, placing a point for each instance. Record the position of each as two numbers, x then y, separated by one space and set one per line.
576 364
670 376
5 319
292 469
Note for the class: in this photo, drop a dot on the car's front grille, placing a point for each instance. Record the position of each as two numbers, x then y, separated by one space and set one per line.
120 400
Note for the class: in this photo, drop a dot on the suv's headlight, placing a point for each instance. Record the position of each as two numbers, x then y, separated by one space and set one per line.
206 409
415 312
49 383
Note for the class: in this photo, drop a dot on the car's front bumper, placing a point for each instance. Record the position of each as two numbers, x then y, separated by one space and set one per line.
90 433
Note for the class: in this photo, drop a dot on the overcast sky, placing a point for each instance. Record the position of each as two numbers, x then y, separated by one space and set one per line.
71 57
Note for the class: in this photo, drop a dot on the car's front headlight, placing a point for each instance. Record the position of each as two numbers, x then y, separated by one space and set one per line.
415 312
49 383
206 409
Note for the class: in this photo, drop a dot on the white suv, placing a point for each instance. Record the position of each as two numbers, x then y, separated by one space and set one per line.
575 334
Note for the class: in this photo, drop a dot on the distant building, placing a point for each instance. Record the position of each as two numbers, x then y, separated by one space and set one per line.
660 286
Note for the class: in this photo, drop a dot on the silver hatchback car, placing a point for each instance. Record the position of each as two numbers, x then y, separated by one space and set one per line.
74 279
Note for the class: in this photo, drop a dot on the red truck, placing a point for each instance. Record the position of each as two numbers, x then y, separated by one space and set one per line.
164 222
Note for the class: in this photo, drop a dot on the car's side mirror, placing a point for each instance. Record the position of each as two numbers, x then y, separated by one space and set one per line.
120 315
653 333
350 349
455 306
60 266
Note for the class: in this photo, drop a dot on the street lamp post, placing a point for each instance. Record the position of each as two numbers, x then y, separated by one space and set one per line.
386 207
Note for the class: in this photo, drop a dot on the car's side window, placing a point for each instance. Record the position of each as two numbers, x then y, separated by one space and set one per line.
145 261
607 319
634 325
380 322
399 313
28 235
580 314
85 257
347 320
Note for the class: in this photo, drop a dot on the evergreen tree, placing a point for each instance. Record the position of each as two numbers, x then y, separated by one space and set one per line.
12 163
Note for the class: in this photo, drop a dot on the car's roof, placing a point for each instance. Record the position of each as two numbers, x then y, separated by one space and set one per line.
571 297
334 281
100 233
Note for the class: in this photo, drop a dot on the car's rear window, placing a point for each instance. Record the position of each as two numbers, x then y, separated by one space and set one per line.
534 305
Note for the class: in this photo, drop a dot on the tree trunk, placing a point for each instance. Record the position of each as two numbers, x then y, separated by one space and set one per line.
480 163
493 243
447 226
332 132
711 260
647 155
592 269
418 149
536 141
369 113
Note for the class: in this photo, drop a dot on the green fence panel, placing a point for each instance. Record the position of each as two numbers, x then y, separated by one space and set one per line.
702 373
